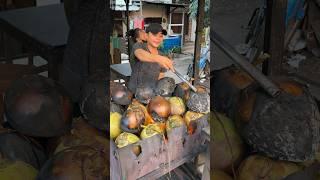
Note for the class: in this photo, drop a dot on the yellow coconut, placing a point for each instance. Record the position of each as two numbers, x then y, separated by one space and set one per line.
17 170
174 121
124 139
177 106
151 130
115 120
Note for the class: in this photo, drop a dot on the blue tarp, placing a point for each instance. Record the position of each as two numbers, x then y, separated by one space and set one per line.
295 10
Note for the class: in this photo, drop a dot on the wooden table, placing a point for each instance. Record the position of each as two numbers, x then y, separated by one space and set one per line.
42 30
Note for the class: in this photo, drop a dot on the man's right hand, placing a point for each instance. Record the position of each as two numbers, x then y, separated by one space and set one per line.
165 62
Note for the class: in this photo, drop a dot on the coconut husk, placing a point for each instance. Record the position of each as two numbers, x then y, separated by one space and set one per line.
38 106
255 167
82 134
199 101
227 148
78 162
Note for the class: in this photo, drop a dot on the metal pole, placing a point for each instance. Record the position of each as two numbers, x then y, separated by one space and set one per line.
265 83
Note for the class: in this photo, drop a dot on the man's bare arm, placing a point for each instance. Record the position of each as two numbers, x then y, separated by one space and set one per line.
145 56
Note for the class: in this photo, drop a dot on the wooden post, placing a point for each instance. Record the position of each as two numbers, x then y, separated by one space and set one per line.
197 50
275 36
128 24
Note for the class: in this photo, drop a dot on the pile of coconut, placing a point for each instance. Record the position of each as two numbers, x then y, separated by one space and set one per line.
232 158
154 110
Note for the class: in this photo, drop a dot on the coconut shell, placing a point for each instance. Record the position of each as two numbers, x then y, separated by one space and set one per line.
116 108
227 86
284 128
222 158
17 147
120 94
82 134
16 170
199 102
165 87
182 90
255 167
95 101
37 106
144 94
79 162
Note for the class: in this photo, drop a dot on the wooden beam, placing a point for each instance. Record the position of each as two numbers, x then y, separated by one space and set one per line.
275 36
199 29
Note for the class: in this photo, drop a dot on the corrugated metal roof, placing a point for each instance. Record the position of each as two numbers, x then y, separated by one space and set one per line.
120 5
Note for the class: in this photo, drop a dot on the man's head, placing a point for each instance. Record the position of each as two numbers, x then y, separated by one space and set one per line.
155 34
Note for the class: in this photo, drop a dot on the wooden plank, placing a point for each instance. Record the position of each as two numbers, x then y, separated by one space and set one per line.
277 36
199 28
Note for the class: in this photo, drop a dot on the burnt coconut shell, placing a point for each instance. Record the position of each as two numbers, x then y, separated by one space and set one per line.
38 106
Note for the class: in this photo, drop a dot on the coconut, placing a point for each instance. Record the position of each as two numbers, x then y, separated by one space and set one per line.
190 119
120 94
223 130
95 100
174 122
182 90
219 175
165 86
284 128
15 146
38 106
82 134
116 108
16 170
79 162
144 94
199 101
135 104
151 130
125 139
177 106
255 167
115 120
132 119
159 108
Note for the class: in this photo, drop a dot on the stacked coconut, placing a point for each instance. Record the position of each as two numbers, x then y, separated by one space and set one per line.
154 110
253 143
40 139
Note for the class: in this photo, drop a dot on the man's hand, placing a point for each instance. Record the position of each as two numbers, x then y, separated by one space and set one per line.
165 62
